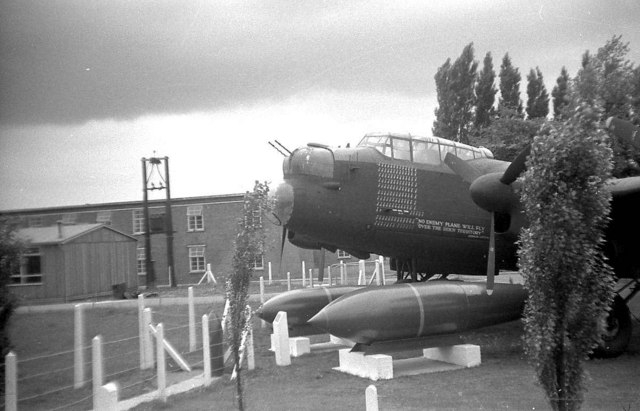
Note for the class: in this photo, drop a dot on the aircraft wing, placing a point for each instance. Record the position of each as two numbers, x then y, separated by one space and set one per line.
624 187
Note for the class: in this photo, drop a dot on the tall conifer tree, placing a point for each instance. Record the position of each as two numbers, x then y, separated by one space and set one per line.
537 96
560 93
456 97
485 93
509 87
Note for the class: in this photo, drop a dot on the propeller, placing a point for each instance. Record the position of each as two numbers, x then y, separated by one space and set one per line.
321 269
491 257
516 167
284 239
493 193
465 170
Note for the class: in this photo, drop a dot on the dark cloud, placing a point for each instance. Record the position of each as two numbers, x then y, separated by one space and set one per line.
68 61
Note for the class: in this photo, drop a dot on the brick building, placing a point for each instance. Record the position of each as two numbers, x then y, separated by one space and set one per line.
204 231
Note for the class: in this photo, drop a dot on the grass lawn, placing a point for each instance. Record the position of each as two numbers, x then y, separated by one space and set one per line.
503 381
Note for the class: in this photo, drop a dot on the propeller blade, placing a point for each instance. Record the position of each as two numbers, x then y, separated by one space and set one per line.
466 171
491 257
516 167
284 239
321 269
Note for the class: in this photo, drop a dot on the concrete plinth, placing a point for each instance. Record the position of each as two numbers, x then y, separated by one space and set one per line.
299 346
374 367
465 355
382 366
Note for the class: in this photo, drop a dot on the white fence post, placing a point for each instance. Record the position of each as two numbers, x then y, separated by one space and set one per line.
288 281
371 398
107 397
270 279
11 382
206 351
378 272
362 278
311 277
382 273
263 323
97 365
141 331
343 273
148 349
329 274
251 358
304 276
162 374
78 349
281 339
192 322
223 321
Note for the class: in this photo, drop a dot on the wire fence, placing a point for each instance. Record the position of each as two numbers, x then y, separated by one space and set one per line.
46 369
46 372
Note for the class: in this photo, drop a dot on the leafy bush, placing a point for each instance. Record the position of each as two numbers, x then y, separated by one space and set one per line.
570 285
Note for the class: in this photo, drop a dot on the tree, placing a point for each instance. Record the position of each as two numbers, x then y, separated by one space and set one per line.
635 96
10 250
508 134
570 286
509 87
442 125
249 247
456 96
560 93
537 96
608 79
485 93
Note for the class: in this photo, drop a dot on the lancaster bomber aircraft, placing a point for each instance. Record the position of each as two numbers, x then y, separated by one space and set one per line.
436 206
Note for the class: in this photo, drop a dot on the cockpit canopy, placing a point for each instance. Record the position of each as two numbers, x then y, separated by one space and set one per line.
423 150
314 160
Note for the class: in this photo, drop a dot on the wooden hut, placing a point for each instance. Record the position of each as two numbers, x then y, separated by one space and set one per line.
71 262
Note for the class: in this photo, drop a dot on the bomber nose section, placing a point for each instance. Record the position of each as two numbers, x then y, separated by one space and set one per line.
284 202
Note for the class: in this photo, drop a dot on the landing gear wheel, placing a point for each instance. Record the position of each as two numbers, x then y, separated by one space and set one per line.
617 332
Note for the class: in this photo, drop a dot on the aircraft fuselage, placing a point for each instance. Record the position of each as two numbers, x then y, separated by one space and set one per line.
361 201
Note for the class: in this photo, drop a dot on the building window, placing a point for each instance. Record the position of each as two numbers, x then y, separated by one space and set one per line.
141 260
195 222
343 254
69 218
35 221
138 221
104 217
30 268
196 258
258 262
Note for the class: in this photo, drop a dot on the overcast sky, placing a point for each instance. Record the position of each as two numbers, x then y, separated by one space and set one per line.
89 87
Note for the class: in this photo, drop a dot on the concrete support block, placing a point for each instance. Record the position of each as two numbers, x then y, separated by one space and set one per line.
465 355
374 367
107 397
299 346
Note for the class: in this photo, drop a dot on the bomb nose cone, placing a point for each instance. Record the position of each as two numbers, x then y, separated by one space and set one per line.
284 202
320 320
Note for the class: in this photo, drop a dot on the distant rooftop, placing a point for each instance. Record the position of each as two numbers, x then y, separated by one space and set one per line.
59 234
